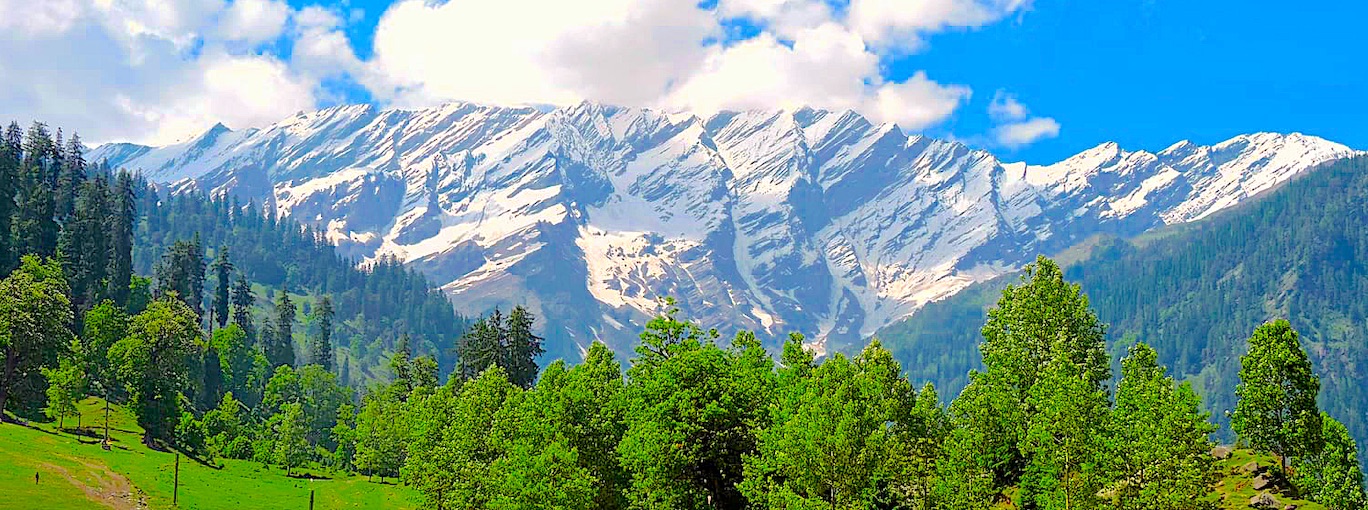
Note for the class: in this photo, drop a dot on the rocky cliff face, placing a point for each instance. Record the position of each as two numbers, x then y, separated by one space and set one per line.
813 221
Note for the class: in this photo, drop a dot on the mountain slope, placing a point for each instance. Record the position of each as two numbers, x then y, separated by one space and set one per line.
775 221
1300 252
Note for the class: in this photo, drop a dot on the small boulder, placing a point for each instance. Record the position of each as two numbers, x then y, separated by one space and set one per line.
1221 452
1290 506
1263 500
1252 467
1262 482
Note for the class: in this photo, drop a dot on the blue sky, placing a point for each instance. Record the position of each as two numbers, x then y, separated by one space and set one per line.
1033 80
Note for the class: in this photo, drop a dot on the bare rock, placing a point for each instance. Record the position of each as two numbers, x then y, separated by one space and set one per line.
1221 452
1263 500
1262 482
1252 467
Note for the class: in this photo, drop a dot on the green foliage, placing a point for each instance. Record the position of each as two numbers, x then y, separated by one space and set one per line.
1277 408
1333 476
151 362
66 386
320 348
1161 454
288 429
692 411
382 429
847 435
1299 252
227 430
279 345
34 314
1065 439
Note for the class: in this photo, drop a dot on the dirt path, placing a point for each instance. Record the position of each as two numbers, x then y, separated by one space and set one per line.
110 489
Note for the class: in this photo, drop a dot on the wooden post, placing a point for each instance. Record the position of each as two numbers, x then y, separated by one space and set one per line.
175 487
311 499
106 440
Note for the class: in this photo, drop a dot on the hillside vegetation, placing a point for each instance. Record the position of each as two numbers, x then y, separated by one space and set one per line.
1300 253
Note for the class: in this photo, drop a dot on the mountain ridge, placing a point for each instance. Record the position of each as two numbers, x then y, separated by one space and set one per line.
775 221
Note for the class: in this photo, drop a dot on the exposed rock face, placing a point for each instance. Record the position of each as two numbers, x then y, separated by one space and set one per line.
776 221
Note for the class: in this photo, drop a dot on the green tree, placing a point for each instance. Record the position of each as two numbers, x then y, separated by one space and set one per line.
523 348
838 439
1333 477
10 156
121 223
227 430
237 360
243 299
692 411
382 428
280 343
1161 457
34 314
1065 438
66 387
1277 411
321 348
223 274
1036 321
343 435
151 362
289 428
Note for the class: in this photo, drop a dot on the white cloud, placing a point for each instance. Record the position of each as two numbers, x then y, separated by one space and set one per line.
150 70
147 71
903 23
1006 108
254 21
1015 128
1020 134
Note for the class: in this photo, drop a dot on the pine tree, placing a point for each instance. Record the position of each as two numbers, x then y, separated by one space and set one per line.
223 270
243 299
321 349
522 348
71 177
1277 409
280 349
10 147
123 205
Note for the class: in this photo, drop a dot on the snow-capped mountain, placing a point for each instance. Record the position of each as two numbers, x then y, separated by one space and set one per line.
813 221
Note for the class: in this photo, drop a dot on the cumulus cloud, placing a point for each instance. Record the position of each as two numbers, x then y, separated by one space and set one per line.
1015 127
150 70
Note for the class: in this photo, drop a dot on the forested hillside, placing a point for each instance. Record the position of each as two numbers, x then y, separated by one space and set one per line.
1300 252
375 304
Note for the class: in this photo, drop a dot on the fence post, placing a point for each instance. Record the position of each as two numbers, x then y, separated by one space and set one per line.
175 487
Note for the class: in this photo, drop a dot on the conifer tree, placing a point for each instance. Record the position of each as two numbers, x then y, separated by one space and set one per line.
523 347
321 347
243 299
10 147
280 349
223 271
123 208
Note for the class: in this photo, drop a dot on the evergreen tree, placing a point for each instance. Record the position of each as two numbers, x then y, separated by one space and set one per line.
85 244
1277 408
280 346
243 299
71 177
522 348
181 271
10 156
321 347
223 272
123 215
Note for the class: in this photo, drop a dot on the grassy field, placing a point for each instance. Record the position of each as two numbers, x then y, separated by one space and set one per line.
75 473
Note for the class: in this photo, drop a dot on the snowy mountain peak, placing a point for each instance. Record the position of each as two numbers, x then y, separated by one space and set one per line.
782 220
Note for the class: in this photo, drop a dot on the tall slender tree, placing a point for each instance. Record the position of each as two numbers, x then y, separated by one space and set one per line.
280 349
321 348
123 214
223 273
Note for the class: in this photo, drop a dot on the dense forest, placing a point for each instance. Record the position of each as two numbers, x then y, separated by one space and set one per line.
375 305
1300 252
1050 419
